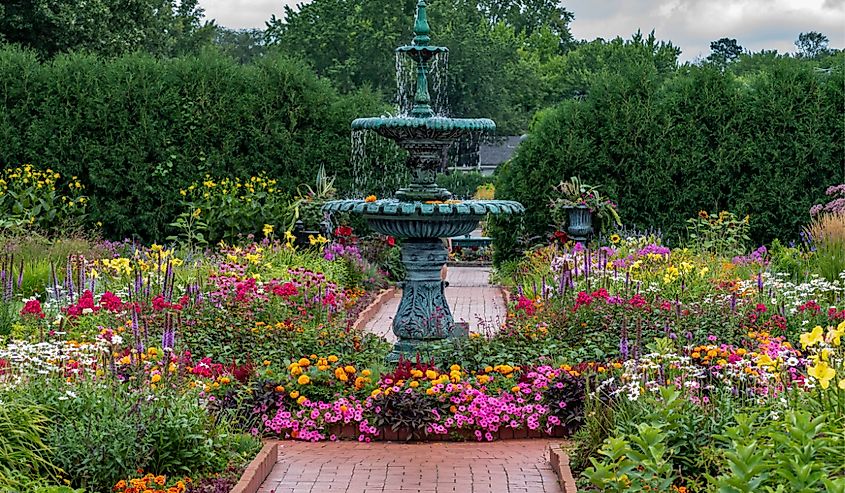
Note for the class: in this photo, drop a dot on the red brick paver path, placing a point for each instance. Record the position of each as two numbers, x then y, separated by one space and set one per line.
470 296
511 466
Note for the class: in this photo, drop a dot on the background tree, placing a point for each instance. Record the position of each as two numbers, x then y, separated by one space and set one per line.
158 27
491 72
724 51
244 45
812 44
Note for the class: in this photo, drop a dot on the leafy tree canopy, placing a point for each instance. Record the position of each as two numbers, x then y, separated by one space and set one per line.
104 27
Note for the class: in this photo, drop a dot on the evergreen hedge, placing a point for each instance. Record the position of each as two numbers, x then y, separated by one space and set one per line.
136 129
765 144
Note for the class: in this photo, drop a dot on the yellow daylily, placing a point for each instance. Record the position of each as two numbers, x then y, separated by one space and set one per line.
834 336
822 372
812 338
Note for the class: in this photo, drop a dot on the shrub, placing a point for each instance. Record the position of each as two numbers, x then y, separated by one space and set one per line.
763 145
136 130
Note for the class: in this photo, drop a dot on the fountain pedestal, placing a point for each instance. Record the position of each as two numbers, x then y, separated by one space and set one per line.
423 313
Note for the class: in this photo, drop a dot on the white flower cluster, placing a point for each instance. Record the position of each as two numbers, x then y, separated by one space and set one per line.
27 359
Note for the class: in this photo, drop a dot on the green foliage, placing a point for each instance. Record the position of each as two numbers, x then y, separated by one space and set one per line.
669 143
718 234
23 454
160 27
635 462
225 209
799 453
31 199
100 434
463 185
351 43
136 130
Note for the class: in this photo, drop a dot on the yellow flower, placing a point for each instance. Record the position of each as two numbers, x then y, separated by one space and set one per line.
841 384
822 372
765 360
318 240
370 198
303 380
615 238
349 369
332 359
414 384
268 229
155 378
304 362
834 336
294 394
196 213
301 400
812 338
430 374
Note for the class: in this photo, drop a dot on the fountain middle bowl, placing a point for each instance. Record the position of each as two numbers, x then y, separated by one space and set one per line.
424 219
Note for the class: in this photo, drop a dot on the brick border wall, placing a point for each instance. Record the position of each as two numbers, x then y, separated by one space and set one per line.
370 312
560 464
387 434
258 470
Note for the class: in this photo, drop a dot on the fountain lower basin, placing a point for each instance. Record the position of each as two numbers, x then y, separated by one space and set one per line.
422 219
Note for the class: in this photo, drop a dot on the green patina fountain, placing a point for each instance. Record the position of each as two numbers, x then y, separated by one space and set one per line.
422 213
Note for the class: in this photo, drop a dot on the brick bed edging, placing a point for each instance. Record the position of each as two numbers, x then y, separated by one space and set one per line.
560 464
367 314
258 470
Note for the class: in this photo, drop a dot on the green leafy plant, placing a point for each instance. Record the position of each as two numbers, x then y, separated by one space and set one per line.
799 453
190 230
24 455
229 208
31 199
718 234
634 462
307 207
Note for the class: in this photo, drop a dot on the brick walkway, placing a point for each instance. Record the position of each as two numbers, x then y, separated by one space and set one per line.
471 298
512 466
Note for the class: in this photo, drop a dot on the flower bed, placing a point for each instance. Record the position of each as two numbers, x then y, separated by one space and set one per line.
660 363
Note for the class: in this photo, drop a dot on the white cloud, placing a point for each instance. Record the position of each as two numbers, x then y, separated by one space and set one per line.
241 14
692 24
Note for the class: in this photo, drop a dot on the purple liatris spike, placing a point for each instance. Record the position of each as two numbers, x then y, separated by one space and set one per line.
760 282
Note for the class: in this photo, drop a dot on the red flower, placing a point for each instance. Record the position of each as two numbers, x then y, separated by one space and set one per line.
525 304
391 241
32 307
285 290
343 231
761 308
111 302
561 236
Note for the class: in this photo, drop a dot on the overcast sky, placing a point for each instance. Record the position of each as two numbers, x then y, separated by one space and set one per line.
690 24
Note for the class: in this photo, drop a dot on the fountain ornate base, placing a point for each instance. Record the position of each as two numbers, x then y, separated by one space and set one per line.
423 315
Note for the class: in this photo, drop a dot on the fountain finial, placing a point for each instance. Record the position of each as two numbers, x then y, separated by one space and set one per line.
421 27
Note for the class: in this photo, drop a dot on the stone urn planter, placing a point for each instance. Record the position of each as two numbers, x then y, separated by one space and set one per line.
579 223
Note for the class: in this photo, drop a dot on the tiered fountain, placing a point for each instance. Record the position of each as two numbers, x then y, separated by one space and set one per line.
422 213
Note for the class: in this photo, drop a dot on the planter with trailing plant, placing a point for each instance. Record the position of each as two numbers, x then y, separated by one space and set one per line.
581 206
